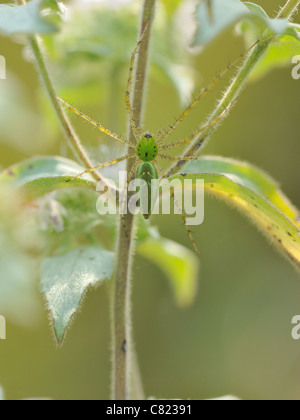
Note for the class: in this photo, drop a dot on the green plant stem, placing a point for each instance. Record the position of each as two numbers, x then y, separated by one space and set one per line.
121 308
235 88
289 9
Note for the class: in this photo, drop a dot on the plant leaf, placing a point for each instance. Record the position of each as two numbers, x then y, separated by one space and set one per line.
42 175
255 194
179 264
66 278
226 13
36 17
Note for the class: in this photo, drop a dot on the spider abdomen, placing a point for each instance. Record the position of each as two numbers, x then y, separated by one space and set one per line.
147 149
149 192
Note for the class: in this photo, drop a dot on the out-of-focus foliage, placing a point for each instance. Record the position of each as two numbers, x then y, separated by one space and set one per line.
38 16
230 12
14 107
179 264
19 243
171 6
84 54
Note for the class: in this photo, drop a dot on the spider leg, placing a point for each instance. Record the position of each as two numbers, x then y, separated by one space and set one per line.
97 125
197 133
183 216
202 93
104 165
137 131
176 159
160 136
159 169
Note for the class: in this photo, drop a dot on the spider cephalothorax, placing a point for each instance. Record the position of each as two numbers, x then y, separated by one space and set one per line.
147 149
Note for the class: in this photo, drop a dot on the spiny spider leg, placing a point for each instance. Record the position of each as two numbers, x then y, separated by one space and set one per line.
202 93
190 234
105 165
98 125
159 168
137 131
177 159
183 216
197 133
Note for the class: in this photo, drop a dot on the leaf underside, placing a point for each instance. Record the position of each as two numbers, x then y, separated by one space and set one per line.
66 278
42 175
256 195
35 17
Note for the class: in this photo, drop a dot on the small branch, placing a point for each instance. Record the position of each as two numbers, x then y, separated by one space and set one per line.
235 88
123 358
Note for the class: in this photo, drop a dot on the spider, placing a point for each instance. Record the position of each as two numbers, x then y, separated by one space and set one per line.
148 148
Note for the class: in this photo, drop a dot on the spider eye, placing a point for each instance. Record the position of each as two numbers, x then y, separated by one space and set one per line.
148 136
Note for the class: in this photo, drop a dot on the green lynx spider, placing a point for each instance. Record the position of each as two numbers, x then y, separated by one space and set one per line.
149 148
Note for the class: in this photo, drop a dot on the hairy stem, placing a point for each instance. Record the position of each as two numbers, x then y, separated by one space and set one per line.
121 327
73 140
289 9
235 88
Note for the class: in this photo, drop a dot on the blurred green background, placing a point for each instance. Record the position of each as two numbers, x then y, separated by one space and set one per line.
236 337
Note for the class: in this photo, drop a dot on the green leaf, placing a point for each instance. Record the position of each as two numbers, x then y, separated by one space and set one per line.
1 394
256 195
179 264
226 13
145 230
42 175
278 54
66 278
171 6
36 17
